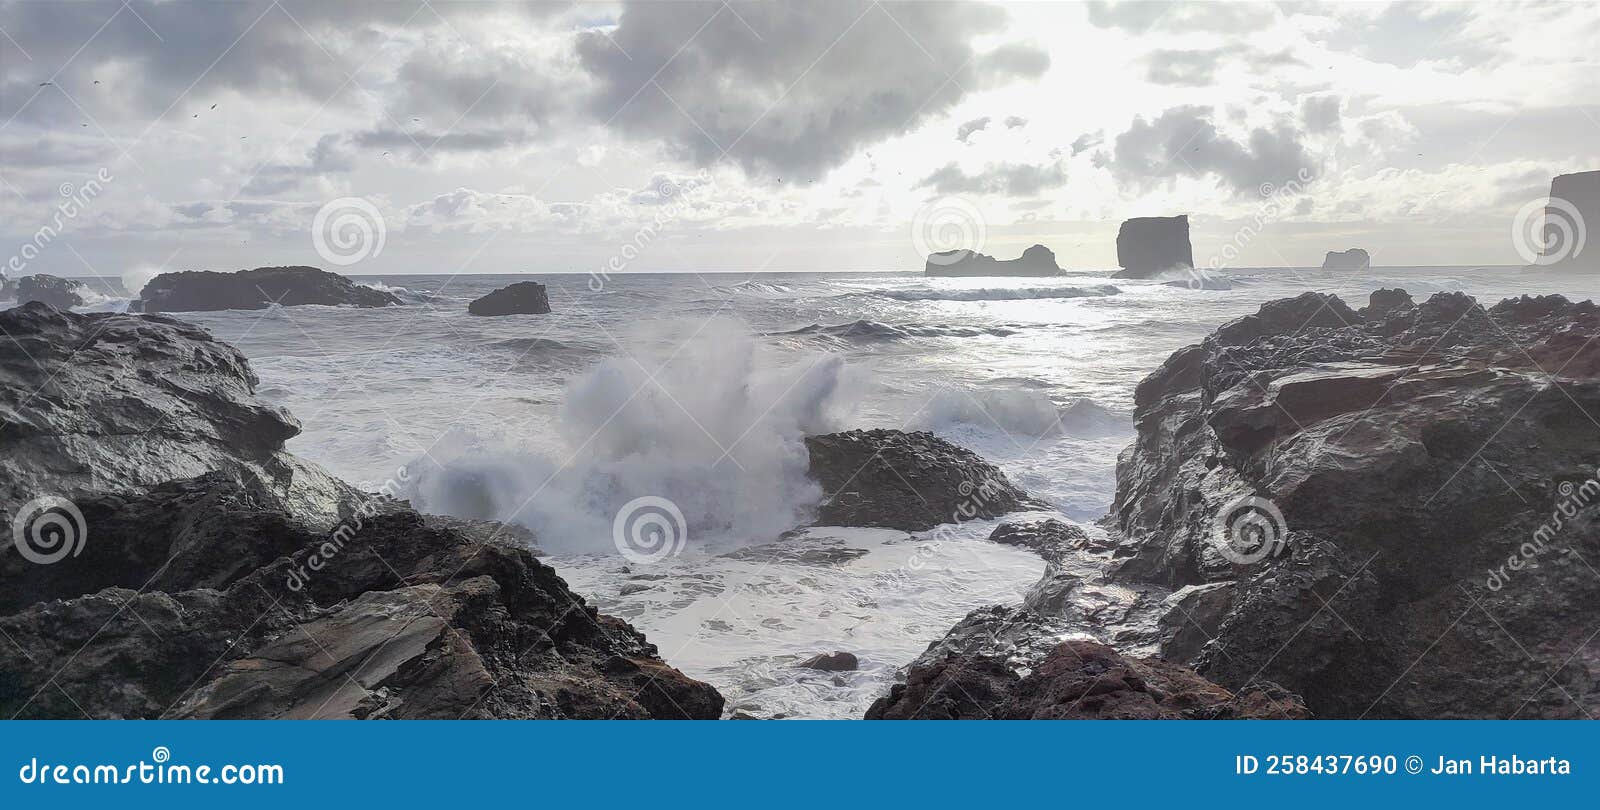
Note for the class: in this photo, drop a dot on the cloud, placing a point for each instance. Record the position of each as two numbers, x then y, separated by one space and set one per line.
1140 17
792 90
1015 122
975 125
1321 113
1183 141
1087 141
1184 68
1013 179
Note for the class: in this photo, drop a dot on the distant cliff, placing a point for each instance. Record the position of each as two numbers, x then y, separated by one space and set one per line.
1352 259
1571 216
1149 246
1035 261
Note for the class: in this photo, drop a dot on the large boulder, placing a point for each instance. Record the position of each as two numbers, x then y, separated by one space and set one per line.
61 293
1150 246
521 298
1077 680
1399 501
205 290
1352 259
1035 261
909 481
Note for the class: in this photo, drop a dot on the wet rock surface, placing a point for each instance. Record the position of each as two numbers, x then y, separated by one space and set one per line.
1424 476
521 298
211 574
206 290
61 293
909 481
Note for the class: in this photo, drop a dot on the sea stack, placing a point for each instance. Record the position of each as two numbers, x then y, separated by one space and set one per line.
207 291
1352 259
1150 246
61 293
521 298
1035 261
1571 215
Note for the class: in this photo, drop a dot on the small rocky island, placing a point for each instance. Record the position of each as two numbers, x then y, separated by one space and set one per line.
1352 259
207 573
1150 246
1037 260
521 298
208 291
1571 217
61 293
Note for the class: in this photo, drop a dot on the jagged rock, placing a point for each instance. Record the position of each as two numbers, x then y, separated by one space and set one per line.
113 403
1572 214
1051 539
1352 259
1194 612
521 298
1411 451
399 620
1037 260
1150 246
61 293
205 290
908 481
1078 680
832 662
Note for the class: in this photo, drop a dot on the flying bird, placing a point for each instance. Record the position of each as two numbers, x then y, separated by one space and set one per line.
213 106
43 84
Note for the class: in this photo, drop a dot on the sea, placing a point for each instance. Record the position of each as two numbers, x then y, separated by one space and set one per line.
649 431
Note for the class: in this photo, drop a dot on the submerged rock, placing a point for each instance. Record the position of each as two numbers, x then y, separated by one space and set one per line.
521 298
1035 261
1365 502
832 662
1150 246
909 481
1352 259
1078 680
61 293
205 290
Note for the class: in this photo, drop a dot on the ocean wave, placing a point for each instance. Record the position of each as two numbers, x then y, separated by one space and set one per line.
405 294
758 288
1000 293
1020 411
872 331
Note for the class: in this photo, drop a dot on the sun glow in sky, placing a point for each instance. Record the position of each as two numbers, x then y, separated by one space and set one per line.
499 138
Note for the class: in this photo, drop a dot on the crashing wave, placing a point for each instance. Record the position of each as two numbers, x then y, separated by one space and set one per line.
871 331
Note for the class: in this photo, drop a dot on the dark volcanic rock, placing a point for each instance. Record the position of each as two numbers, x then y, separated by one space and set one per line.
1051 539
1416 455
834 662
1150 246
205 290
1035 261
1352 259
204 572
403 621
1078 680
61 293
909 481
521 298
117 403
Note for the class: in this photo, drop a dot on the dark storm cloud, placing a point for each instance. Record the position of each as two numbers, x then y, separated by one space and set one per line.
792 89
1013 179
1183 141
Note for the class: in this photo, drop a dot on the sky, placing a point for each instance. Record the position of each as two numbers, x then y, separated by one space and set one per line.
395 137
